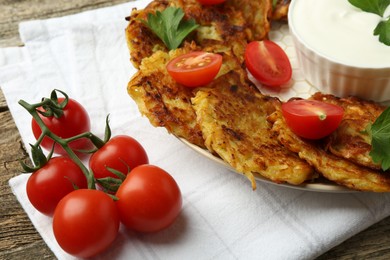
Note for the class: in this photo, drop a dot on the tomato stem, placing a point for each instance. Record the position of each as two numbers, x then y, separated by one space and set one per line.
76 159
64 143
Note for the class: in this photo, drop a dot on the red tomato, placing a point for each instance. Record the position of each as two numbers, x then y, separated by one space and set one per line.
312 119
149 199
74 121
195 69
85 222
48 185
268 63
121 153
211 2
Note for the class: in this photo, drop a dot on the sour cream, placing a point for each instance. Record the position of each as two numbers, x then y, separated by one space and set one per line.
341 32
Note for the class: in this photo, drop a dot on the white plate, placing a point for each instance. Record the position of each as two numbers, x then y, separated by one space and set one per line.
320 185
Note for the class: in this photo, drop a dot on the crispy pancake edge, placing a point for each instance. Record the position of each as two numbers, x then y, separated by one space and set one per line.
234 126
334 168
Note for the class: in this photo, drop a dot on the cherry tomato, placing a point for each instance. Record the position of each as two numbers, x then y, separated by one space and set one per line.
211 2
74 121
48 185
268 63
312 119
85 222
121 153
195 69
149 199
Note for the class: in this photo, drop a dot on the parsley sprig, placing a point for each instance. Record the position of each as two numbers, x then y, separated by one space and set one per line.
377 7
380 140
170 26
274 3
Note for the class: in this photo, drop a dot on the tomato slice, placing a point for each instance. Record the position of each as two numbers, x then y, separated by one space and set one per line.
268 63
312 119
211 2
195 69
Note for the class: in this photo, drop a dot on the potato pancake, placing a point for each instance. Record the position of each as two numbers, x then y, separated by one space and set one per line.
232 116
280 10
223 28
163 101
256 14
350 140
167 103
332 167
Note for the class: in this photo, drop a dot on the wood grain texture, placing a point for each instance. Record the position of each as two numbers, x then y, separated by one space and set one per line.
14 11
18 237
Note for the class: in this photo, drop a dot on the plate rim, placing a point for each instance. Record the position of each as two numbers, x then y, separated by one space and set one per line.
312 187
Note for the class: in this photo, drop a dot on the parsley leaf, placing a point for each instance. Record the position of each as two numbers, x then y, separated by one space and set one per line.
372 6
170 27
377 7
383 30
380 140
274 3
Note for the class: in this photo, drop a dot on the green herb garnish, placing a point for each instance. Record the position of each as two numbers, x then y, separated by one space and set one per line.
383 30
372 6
376 7
274 3
170 27
380 140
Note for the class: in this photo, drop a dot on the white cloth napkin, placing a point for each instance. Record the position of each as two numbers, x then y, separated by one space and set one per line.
222 218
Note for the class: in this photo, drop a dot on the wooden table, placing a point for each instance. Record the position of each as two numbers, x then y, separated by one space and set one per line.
18 237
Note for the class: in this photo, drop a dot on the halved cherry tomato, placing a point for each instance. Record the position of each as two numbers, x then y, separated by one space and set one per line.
268 63
195 69
312 119
211 2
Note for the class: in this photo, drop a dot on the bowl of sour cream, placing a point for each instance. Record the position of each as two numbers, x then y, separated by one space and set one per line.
337 49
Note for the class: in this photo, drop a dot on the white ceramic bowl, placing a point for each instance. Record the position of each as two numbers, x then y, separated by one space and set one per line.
334 77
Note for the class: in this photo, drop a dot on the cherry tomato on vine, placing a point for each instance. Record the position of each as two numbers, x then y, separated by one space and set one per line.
211 2
85 222
268 63
312 119
121 153
195 69
48 185
74 121
149 199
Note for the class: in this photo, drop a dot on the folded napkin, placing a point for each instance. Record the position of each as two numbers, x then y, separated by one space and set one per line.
222 218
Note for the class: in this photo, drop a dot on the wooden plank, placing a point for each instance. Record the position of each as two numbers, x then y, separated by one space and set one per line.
13 12
18 237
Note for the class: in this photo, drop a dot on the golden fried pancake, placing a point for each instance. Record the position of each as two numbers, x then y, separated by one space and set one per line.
163 101
232 116
280 10
334 168
256 14
167 103
350 140
223 28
